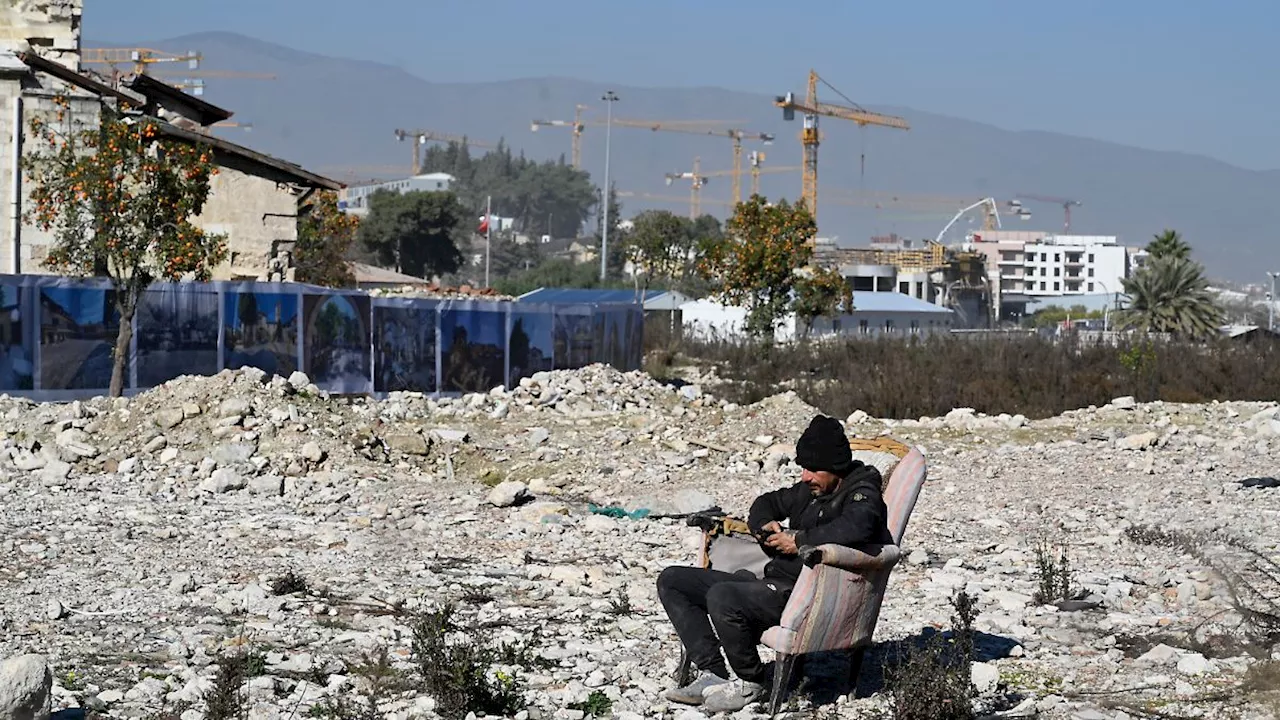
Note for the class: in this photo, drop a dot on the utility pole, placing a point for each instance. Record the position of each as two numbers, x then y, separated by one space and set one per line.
609 98
1271 302
488 234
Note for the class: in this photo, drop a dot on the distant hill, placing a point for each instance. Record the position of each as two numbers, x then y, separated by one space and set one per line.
325 111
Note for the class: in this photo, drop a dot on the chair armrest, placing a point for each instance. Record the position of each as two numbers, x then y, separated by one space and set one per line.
859 560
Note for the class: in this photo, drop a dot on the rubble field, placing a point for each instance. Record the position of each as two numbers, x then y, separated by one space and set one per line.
141 539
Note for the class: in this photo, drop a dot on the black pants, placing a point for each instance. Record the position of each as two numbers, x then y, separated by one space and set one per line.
712 610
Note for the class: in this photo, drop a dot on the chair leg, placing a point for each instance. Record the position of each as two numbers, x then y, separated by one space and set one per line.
855 668
683 672
782 668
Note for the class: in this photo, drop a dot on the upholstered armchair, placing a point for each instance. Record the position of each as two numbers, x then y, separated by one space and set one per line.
836 602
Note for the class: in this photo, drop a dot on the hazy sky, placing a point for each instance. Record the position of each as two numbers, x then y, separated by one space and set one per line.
1164 74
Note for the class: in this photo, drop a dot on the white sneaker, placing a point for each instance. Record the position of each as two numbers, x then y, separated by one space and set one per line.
733 696
693 693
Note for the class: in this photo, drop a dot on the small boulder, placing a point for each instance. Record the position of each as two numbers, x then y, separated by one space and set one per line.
1139 441
1159 655
298 380
1195 664
233 453
223 480
269 485
312 452
233 407
170 417
508 493
407 443
985 677
26 684
1124 403
54 473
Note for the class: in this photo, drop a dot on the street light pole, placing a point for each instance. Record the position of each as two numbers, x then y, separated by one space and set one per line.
1271 302
609 98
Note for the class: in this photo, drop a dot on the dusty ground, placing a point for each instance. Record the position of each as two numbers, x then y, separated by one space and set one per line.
141 538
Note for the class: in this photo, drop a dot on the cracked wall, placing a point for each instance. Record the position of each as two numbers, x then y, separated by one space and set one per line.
50 28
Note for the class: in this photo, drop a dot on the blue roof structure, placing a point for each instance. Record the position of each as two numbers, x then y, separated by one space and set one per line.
892 302
580 296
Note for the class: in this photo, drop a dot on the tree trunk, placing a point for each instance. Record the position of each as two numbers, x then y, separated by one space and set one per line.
121 355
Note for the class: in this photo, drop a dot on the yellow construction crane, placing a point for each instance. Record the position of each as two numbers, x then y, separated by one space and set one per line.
696 181
143 58
576 126
140 58
422 137
812 110
690 127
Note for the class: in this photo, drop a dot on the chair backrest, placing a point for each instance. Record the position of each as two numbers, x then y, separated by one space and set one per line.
903 490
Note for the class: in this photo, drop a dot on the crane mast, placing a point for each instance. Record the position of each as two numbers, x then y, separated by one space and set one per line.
812 109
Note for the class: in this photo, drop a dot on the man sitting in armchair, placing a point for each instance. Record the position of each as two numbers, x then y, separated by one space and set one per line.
836 501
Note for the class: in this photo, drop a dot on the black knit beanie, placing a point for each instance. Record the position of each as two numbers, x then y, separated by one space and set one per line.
823 446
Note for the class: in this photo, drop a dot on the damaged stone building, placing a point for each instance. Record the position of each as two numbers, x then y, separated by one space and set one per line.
255 200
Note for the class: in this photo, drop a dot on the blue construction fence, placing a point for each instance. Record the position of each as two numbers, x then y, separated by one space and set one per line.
57 335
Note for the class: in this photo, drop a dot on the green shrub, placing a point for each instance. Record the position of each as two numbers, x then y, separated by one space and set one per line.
459 672
932 681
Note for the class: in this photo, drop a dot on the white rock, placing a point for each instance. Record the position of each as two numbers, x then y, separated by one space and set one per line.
25 685
298 380
985 676
1124 403
270 485
1159 655
223 480
918 557
182 583
54 610
507 494
312 452
1138 441
1195 664
110 697
54 473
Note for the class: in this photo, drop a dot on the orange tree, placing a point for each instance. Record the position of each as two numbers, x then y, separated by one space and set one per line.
325 235
119 198
754 265
821 292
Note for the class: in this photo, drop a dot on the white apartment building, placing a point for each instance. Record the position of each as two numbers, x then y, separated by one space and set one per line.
355 200
1025 265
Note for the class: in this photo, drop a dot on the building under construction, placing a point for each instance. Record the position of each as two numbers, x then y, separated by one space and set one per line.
924 270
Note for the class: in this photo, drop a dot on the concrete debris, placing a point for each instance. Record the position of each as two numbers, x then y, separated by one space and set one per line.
177 509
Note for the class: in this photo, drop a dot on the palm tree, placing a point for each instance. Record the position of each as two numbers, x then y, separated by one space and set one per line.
1169 244
1170 295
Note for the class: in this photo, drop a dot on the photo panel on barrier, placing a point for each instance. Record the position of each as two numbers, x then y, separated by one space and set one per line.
177 334
531 344
260 329
78 329
614 339
336 342
404 348
17 359
635 338
599 320
573 339
473 349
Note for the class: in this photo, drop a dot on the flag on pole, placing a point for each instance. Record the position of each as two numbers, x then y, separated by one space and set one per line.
484 226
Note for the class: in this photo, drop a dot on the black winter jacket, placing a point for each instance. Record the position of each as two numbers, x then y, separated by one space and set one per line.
854 514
